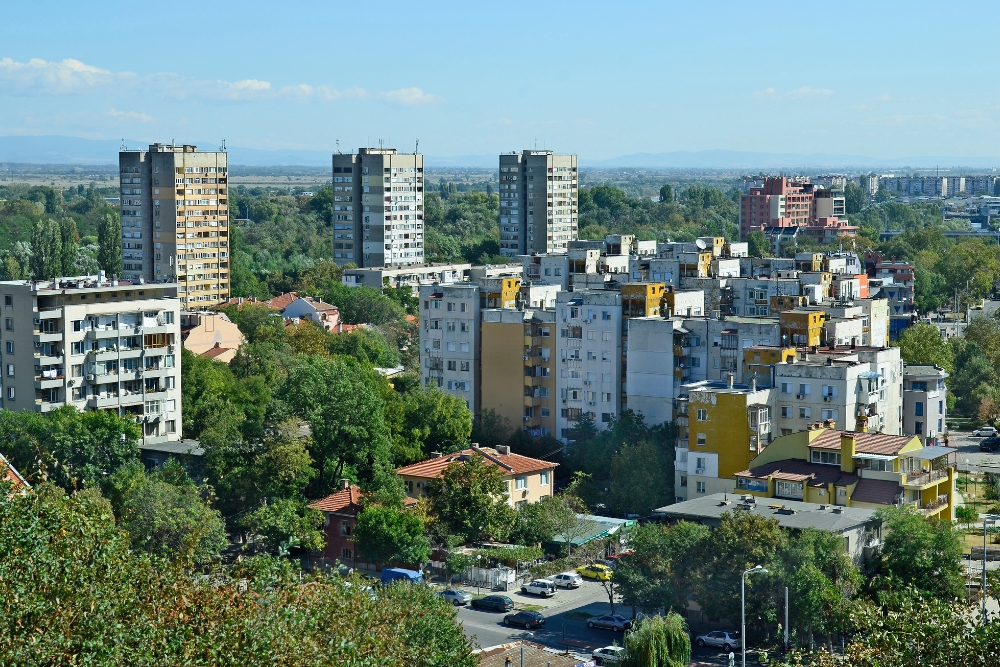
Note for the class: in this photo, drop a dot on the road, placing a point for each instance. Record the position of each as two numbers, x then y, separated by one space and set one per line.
486 628
968 451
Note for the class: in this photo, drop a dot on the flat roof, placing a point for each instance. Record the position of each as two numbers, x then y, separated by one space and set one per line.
791 514
192 447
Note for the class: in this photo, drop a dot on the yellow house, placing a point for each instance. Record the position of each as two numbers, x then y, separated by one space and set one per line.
499 292
759 361
211 334
801 328
781 302
528 480
854 469
642 299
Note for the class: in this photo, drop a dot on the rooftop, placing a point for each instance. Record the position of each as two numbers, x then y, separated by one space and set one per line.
791 514
865 443
9 474
346 501
797 470
510 464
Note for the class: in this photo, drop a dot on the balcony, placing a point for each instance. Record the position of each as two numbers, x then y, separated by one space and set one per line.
924 479
934 506
47 336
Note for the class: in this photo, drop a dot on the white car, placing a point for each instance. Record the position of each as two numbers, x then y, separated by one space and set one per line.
567 580
609 655
986 432
542 587
727 640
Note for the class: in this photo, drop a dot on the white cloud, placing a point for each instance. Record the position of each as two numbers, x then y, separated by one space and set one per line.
767 92
54 78
409 97
800 93
145 118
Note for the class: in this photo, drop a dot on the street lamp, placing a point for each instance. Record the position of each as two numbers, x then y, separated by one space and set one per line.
989 518
478 573
526 634
743 608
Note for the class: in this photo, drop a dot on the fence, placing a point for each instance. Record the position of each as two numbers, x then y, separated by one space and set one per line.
494 578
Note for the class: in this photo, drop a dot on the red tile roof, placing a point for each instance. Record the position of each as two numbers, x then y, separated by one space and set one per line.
215 351
9 474
866 443
347 501
281 301
796 470
877 491
509 464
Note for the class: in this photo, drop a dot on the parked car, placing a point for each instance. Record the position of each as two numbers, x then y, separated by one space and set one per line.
529 619
609 655
456 596
595 571
567 580
989 444
985 431
727 640
610 622
493 603
393 574
542 587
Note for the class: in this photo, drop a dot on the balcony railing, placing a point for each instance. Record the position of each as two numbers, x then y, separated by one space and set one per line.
925 477
933 506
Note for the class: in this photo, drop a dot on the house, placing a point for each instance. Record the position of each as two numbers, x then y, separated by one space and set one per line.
211 335
340 515
10 475
311 308
528 480
528 654
854 469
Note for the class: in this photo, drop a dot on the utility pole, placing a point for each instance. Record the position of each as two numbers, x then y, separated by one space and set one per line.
786 619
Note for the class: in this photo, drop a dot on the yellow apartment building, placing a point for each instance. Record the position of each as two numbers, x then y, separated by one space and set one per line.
788 302
642 299
801 328
499 292
854 469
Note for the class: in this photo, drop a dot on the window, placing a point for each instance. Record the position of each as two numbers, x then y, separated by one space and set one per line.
829 414
699 487
8 324
830 458
464 347
786 387
10 347
700 441
829 391
8 299
346 554
700 463
543 479
464 308
10 393
786 411
805 389
702 415
76 370
522 483
684 480
606 397
408 485
545 412
591 335
918 427
10 370
606 336
451 307
464 326
940 410
606 417
805 413
918 409
465 366
788 490
345 528
451 365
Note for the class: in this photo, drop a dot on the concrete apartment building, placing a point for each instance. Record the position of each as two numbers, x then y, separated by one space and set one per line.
925 402
782 202
518 360
378 208
539 196
589 358
409 275
95 344
175 220
449 340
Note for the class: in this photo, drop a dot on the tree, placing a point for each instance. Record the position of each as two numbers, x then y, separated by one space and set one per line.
69 246
470 500
46 250
165 514
364 305
109 245
490 428
308 338
642 479
758 244
658 641
666 194
426 421
920 553
367 345
391 535
286 524
855 198
922 344
663 564
965 514
565 518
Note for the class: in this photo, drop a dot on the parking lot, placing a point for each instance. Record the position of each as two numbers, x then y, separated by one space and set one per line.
969 457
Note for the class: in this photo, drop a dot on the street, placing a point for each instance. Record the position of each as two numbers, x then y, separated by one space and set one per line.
968 455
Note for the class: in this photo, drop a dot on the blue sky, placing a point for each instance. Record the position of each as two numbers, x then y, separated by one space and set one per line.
891 79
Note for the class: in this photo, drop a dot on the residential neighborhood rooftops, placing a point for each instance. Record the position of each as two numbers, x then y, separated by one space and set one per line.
511 464
216 351
346 501
282 301
865 443
796 470
790 514
877 491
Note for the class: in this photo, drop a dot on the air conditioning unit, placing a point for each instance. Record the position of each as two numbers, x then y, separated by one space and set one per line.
699 471
828 398
799 396
527 419
586 382
37 344
527 358
90 377
37 320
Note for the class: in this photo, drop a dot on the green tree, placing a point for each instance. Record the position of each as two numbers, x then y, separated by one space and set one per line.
920 553
364 305
109 245
165 514
491 428
666 194
287 524
69 246
642 478
46 250
922 344
855 198
426 421
368 345
758 244
469 499
658 641
391 535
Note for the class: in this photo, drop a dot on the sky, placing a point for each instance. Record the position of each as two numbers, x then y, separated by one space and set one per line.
600 79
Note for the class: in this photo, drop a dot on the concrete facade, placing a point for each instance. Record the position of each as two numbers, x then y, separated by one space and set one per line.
925 402
539 197
449 340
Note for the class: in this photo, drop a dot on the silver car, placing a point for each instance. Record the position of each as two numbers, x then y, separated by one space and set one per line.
456 596
610 622
609 655
727 640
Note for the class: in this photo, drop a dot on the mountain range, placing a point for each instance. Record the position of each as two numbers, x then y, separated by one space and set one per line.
52 149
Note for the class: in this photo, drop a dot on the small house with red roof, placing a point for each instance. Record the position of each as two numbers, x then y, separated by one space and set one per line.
10 475
528 480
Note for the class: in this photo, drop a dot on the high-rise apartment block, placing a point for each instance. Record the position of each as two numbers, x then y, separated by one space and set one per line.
782 202
378 208
539 194
95 344
449 340
175 220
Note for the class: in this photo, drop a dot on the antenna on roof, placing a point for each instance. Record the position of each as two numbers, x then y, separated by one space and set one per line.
416 149
222 148
338 146
123 145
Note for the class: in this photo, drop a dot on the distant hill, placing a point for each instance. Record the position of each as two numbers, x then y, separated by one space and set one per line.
52 149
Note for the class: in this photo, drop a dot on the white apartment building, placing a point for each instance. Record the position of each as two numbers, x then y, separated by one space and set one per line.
650 378
539 197
95 344
546 269
175 220
588 356
410 275
925 402
378 208
449 340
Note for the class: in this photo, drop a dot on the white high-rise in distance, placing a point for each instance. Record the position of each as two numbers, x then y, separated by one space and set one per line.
539 196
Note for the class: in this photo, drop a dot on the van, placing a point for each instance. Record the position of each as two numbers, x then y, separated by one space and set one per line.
392 574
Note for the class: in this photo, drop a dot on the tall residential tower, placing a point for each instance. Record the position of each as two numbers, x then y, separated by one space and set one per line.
378 208
538 202
175 220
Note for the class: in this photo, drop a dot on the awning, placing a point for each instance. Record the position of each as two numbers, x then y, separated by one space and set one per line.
928 453
875 457
682 330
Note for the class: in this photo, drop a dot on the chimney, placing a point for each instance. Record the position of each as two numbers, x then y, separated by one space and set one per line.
503 449
436 455
829 423
848 448
731 379
854 342
345 483
753 384
475 445
862 424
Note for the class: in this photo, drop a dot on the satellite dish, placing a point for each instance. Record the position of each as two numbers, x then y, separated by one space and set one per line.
700 243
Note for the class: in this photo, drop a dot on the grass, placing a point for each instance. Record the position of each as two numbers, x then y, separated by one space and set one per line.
529 607
577 615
